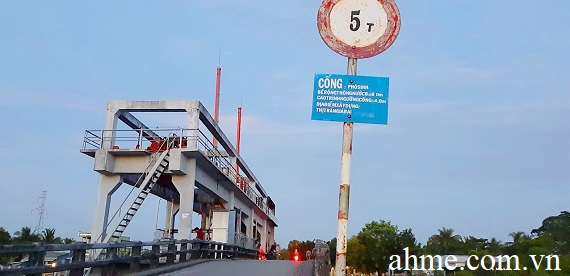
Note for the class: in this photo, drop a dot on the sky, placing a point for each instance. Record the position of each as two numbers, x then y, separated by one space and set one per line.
478 129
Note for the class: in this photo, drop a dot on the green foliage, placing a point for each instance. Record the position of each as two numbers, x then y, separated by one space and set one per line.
25 236
370 249
301 247
476 244
285 254
48 236
68 240
355 256
379 241
407 239
332 251
495 247
5 237
565 263
445 242
558 229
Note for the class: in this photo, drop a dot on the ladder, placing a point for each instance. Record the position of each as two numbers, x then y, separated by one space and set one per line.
156 167
144 189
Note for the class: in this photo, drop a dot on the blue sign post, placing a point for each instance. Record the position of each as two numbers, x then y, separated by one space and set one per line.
350 98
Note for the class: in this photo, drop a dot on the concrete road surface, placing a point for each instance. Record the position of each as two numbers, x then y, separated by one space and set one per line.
249 268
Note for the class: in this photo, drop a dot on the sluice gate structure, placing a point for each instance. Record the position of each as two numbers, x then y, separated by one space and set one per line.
181 166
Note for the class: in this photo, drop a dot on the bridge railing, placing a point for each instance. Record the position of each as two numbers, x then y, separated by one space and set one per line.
243 241
132 253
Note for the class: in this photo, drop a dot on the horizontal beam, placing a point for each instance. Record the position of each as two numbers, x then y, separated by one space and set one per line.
136 124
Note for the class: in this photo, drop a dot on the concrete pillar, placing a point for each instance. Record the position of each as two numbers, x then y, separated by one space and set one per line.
193 124
271 234
205 212
251 233
107 186
110 124
208 220
238 222
169 221
185 186
231 202
232 229
264 235
233 162
175 210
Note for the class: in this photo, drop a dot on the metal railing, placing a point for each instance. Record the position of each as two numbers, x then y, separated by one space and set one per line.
243 241
135 139
220 160
132 253
224 164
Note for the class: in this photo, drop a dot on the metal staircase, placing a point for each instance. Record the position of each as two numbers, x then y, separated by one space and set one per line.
156 167
144 188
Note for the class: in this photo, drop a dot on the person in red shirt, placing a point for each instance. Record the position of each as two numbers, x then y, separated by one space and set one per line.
199 233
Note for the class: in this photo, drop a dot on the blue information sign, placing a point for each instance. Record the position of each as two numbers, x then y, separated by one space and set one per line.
346 98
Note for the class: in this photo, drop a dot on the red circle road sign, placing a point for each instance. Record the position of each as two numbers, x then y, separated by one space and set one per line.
358 28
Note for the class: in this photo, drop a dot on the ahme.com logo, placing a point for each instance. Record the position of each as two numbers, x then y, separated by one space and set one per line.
471 262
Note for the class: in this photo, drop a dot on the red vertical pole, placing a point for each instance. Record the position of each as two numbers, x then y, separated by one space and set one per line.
217 102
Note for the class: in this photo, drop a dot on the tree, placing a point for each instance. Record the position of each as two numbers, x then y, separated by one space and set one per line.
301 247
471 243
68 240
48 236
445 242
284 254
5 237
558 228
25 236
495 246
356 254
332 251
407 239
518 236
520 243
380 241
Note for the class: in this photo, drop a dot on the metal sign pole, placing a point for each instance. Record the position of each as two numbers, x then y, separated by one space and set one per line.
340 266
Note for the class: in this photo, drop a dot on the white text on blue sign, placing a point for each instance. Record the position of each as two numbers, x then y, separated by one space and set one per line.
347 98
